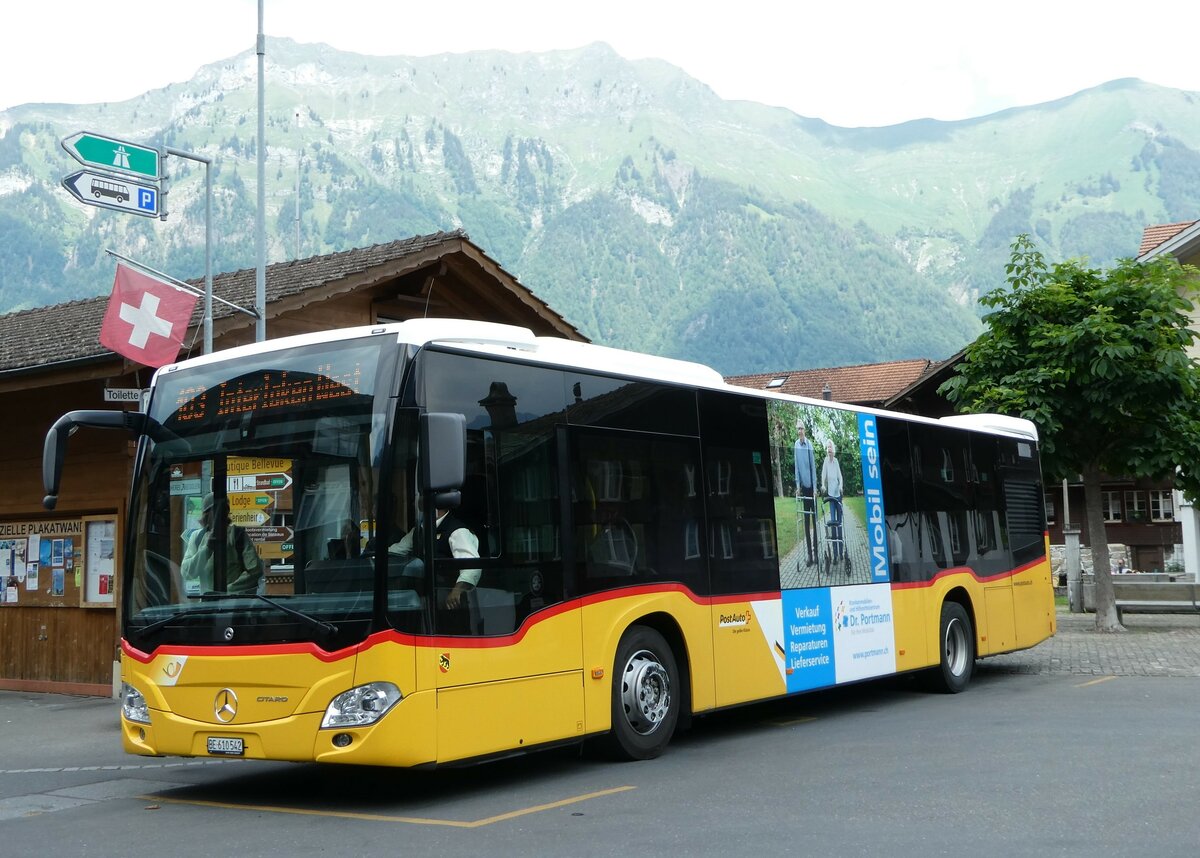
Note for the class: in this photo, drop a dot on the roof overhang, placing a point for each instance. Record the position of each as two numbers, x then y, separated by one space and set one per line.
1181 245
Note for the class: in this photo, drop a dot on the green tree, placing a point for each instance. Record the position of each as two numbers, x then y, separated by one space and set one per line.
1098 360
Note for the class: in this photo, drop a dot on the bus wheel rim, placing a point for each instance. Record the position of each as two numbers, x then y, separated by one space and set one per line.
645 692
956 648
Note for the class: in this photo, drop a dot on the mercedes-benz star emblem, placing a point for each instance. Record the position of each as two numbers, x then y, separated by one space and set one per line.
225 706
229 633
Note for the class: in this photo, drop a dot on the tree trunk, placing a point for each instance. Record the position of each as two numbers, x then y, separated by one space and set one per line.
1106 606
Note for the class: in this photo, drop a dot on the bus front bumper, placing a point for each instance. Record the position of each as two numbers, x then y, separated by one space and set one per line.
404 736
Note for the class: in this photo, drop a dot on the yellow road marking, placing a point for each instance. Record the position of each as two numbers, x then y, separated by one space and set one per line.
794 721
380 817
1096 681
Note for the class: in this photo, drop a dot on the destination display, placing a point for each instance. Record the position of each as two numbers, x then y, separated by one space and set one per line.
298 380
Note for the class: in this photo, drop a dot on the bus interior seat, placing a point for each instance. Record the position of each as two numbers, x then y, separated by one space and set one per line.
339 576
405 574
162 579
488 612
497 611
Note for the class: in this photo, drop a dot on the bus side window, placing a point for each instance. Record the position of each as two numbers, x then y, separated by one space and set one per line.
636 509
510 499
899 500
741 516
989 531
1024 512
943 500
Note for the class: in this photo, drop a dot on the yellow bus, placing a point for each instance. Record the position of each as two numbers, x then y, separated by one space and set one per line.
438 541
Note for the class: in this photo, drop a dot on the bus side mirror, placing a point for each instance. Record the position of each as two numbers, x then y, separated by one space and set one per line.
55 448
444 452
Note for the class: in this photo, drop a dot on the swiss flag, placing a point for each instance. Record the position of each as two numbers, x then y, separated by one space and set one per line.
146 318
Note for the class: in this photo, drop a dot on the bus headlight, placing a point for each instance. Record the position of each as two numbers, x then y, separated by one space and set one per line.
133 705
361 706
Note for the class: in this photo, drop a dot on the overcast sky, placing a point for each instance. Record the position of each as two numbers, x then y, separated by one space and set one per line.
873 62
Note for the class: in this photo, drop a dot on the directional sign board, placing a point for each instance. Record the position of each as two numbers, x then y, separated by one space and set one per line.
113 192
248 518
270 533
258 482
108 153
250 500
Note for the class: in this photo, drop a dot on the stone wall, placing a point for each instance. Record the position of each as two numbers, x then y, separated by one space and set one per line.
1172 555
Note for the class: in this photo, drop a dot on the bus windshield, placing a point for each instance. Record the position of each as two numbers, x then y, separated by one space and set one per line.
260 491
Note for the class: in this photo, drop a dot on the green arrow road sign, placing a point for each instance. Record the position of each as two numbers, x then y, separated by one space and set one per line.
117 155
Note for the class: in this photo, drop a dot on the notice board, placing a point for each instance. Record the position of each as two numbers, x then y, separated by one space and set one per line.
59 563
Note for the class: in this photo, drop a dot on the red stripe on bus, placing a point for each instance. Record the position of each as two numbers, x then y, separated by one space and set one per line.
966 570
544 615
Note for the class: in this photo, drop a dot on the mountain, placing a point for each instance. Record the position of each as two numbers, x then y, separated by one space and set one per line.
648 211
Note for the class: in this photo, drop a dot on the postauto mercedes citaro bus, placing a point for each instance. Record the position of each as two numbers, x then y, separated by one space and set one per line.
645 543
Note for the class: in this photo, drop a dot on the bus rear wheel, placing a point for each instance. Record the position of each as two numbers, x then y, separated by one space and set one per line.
645 695
957 645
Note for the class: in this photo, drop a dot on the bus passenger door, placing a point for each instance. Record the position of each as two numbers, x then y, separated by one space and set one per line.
747 609
507 658
1000 633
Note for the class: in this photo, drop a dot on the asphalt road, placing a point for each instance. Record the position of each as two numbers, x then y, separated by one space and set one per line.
1084 745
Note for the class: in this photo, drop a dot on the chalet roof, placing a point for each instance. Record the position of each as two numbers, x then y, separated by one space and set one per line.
1156 234
64 334
862 384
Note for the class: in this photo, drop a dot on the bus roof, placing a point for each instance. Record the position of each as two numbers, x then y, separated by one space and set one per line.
496 339
503 340
999 424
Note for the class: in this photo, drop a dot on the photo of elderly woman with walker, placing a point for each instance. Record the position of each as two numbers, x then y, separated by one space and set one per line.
817 464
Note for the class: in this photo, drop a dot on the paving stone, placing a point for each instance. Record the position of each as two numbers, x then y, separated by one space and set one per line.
1152 645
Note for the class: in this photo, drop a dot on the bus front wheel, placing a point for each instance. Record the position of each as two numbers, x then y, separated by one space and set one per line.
645 695
957 645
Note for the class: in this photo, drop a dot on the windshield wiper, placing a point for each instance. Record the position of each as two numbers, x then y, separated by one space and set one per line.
180 615
312 622
320 625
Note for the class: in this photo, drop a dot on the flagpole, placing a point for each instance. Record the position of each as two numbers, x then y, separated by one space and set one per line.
187 287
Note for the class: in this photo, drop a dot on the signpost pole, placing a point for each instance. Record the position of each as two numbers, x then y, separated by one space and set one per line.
260 274
208 293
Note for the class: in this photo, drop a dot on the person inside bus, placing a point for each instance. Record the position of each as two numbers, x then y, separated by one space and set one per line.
243 566
453 540
833 488
806 480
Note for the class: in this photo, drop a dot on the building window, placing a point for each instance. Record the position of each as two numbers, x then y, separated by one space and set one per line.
724 477
1110 503
1135 506
691 540
947 467
1049 500
760 478
1161 506
766 538
606 480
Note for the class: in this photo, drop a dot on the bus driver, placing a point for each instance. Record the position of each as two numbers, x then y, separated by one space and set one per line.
454 539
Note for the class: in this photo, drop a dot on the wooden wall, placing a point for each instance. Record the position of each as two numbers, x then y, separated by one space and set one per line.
72 649
60 648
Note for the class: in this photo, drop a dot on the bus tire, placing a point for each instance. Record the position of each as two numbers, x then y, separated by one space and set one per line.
646 693
956 640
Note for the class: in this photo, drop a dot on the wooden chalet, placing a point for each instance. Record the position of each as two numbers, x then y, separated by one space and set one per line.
60 571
